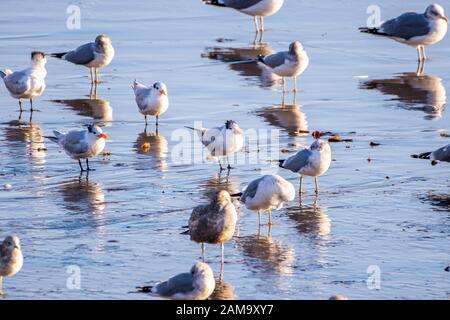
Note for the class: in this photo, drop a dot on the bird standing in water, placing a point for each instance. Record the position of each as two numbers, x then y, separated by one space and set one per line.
81 144
151 101
93 55
312 162
28 83
214 222
11 258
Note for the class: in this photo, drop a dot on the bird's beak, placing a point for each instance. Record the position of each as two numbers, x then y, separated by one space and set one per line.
163 92
16 247
103 135
445 18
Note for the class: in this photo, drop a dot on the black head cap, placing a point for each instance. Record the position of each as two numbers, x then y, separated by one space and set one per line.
229 124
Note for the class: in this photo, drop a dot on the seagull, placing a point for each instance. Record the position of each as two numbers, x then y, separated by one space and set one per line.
287 63
222 141
214 222
265 193
417 30
28 83
313 162
151 101
254 8
199 284
93 55
81 144
11 258
441 154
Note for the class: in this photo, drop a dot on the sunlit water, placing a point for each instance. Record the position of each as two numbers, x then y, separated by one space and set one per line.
122 225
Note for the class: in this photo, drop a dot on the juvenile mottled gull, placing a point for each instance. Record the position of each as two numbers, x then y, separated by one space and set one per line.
214 222
151 101
417 30
313 162
81 144
11 259
441 154
222 141
93 55
287 63
254 8
268 192
199 284
28 83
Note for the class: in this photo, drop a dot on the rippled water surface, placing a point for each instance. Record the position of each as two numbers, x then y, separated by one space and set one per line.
121 226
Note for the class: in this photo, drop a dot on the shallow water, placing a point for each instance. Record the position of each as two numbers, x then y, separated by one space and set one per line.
122 225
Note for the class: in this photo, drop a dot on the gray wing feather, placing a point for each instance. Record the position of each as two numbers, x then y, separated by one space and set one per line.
276 59
406 26
81 55
15 82
240 4
73 142
251 190
210 135
298 160
180 283
442 154
141 94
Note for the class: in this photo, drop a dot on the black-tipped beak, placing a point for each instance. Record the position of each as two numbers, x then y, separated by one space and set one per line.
236 194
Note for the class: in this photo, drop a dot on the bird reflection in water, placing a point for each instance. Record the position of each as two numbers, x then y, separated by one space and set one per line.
219 182
98 109
287 117
29 137
223 291
84 197
413 91
440 201
267 254
243 61
154 145
311 220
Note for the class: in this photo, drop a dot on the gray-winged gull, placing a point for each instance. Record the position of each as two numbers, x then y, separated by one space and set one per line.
266 193
290 63
417 30
94 55
313 161
441 154
198 284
